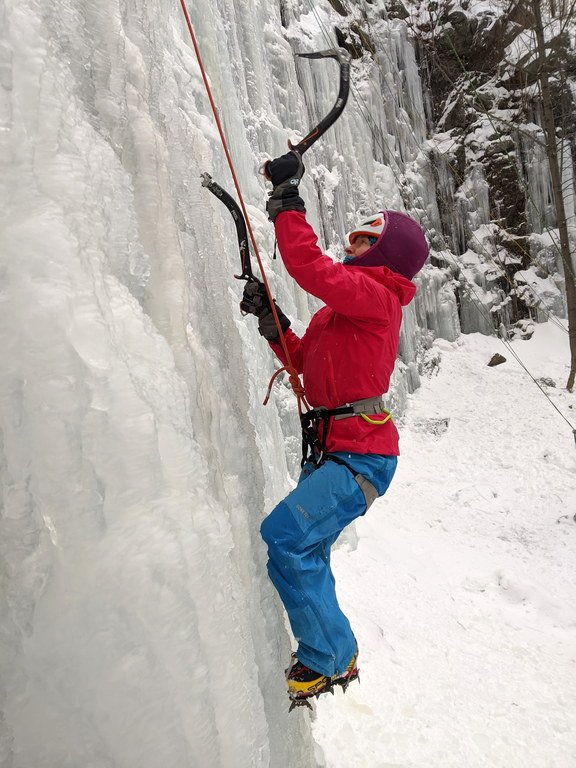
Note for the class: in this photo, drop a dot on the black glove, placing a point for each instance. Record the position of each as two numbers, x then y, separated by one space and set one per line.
255 301
255 298
285 173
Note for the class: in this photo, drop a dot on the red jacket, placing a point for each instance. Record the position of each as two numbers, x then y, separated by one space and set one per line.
349 349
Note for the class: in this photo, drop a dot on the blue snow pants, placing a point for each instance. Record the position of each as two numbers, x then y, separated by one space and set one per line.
299 533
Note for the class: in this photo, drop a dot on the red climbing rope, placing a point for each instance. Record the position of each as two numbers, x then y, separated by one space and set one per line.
289 368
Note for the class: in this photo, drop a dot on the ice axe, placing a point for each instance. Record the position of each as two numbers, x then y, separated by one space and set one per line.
343 58
241 233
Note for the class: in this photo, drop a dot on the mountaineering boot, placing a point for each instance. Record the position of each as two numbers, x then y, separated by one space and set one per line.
303 683
350 673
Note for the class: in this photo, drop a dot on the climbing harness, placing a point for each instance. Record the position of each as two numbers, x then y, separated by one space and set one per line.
315 425
316 422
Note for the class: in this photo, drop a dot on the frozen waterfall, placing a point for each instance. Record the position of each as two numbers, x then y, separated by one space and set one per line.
137 462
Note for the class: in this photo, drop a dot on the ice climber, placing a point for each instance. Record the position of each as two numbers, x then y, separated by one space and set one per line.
346 358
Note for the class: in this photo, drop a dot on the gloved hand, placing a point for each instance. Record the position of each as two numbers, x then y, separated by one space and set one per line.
285 173
255 298
255 301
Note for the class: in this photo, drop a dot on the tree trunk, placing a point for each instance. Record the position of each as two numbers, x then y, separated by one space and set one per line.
555 173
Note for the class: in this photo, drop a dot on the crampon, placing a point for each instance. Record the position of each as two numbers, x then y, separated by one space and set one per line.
304 683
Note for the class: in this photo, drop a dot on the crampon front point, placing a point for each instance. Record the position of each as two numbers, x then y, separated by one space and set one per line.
315 687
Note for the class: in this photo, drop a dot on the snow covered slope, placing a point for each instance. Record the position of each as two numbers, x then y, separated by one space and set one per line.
461 589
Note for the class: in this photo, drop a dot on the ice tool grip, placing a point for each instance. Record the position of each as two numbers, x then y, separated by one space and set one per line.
241 231
343 58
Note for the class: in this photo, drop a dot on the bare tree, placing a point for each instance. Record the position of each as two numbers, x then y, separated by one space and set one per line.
549 126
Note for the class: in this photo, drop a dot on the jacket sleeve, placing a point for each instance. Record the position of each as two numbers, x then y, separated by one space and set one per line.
294 347
346 290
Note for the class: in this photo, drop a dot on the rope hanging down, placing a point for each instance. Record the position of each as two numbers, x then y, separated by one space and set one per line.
292 372
240 215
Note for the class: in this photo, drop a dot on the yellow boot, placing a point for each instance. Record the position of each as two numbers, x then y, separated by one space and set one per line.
303 682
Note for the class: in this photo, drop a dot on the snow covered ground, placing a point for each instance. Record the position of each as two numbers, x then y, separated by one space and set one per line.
461 588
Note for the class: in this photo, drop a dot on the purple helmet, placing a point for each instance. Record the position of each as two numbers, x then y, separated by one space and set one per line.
401 246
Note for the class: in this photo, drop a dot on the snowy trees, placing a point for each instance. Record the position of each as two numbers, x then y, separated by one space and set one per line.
502 81
554 137
548 67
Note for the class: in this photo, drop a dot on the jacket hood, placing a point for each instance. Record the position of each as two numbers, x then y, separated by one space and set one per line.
394 281
401 247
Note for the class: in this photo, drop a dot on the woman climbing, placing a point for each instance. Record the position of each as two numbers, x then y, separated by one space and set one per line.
346 358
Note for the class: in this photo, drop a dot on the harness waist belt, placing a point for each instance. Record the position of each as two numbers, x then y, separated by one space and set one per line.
314 441
371 406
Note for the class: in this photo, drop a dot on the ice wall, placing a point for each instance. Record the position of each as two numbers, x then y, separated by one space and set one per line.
137 623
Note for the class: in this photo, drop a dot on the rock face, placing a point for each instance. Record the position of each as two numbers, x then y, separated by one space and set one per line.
482 73
485 147
496 359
